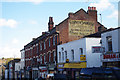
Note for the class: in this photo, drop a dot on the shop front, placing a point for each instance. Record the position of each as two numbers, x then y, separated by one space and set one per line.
34 73
28 73
111 60
51 68
43 72
72 70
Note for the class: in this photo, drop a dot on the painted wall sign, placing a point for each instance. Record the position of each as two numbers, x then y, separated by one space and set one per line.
81 27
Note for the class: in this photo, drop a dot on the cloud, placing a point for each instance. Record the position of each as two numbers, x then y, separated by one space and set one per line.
102 5
7 52
33 22
113 15
33 1
15 41
9 23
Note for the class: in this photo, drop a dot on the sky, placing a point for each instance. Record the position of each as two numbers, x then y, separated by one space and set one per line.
22 20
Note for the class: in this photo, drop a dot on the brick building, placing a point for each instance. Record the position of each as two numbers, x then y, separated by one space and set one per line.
80 16
41 52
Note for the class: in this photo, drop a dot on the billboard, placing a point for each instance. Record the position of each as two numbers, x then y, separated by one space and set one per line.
81 27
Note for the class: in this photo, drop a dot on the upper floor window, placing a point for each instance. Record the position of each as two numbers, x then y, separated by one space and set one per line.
65 54
49 57
53 40
41 59
37 48
49 42
44 45
109 42
59 56
40 46
54 55
81 51
44 58
72 51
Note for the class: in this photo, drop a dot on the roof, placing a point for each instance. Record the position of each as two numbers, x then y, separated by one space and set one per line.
43 36
98 34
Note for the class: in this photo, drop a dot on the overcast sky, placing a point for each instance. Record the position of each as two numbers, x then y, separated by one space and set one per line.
22 20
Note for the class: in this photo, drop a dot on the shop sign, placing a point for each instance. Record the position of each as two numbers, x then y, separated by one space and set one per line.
97 49
60 65
113 56
75 65
67 60
82 57
43 69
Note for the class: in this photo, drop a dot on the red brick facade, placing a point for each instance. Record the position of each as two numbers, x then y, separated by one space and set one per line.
38 54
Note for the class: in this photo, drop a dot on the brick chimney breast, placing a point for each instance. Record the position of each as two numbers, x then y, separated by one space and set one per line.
50 23
92 12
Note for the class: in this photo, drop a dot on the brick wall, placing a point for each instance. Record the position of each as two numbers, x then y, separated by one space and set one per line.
63 27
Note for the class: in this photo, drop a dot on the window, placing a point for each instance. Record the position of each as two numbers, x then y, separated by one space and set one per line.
54 55
109 41
53 40
31 51
81 51
72 51
40 46
44 45
37 48
41 59
59 56
49 42
44 58
65 54
49 57
110 46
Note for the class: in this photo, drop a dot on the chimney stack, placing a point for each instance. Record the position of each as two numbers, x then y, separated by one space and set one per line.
91 8
92 12
50 23
71 15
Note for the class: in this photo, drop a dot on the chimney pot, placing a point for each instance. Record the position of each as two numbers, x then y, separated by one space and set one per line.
89 8
92 8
